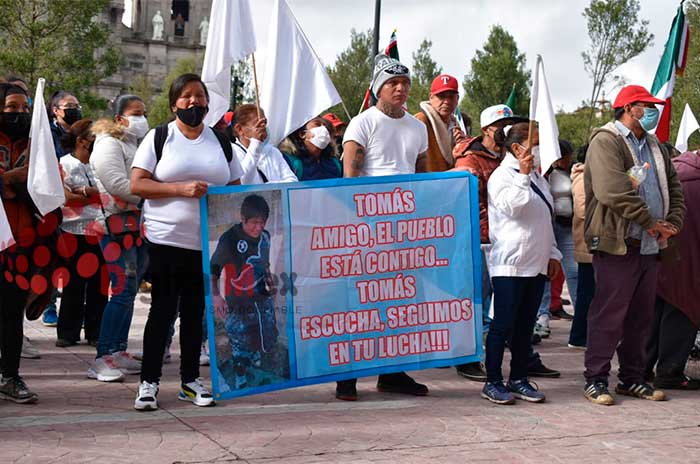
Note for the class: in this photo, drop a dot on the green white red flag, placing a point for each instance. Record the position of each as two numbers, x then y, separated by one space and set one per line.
391 50
672 63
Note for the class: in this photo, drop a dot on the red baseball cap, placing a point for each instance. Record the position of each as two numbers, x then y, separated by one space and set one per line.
635 93
333 119
443 83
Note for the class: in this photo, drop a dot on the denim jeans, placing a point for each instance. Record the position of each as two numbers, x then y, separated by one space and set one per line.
515 310
565 244
584 295
125 272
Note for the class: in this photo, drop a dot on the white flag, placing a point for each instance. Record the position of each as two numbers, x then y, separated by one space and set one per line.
44 178
231 38
6 238
689 124
542 111
296 87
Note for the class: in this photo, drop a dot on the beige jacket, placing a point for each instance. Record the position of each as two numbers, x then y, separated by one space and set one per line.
581 253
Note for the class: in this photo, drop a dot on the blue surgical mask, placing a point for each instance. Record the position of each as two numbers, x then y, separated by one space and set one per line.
650 119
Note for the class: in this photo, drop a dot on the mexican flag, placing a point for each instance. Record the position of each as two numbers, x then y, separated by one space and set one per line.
391 50
673 62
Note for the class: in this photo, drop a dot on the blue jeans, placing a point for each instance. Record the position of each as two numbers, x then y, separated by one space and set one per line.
515 311
565 244
125 273
584 295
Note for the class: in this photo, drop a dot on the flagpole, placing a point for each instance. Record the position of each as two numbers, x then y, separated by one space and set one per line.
257 89
375 48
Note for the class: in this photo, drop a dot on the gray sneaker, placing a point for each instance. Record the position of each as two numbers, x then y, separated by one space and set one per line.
29 351
542 330
14 389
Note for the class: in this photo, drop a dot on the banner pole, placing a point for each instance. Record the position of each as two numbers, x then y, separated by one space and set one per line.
257 89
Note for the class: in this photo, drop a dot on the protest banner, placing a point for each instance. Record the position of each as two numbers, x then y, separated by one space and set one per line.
319 281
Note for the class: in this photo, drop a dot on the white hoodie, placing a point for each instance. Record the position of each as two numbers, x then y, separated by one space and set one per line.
520 223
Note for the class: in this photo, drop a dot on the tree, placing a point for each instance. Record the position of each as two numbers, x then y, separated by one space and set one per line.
687 89
60 40
494 71
422 75
352 72
617 35
160 112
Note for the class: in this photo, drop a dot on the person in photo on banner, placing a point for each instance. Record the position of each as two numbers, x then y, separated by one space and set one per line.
241 262
172 169
116 141
634 205
310 151
523 254
382 141
261 161
15 120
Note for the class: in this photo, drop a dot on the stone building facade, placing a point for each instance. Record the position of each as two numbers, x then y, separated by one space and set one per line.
148 55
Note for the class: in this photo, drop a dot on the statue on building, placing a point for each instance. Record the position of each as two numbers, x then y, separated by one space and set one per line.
158 26
179 26
203 32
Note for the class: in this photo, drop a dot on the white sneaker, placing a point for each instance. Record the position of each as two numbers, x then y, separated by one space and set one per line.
146 398
196 393
104 370
29 351
126 363
204 355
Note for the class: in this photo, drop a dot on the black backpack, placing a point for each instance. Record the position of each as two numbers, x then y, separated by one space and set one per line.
162 133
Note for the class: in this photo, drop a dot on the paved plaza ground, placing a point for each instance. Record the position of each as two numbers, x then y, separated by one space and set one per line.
78 420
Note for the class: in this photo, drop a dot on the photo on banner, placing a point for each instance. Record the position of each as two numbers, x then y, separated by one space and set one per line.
320 281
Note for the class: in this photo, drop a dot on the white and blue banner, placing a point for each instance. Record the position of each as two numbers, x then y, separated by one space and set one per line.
321 281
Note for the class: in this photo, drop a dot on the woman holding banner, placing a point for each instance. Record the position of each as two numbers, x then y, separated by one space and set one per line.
172 169
523 255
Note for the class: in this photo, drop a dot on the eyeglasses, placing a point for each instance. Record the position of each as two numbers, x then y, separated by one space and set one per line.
70 107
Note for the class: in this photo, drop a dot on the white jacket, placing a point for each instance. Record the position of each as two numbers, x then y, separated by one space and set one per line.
111 162
265 158
520 223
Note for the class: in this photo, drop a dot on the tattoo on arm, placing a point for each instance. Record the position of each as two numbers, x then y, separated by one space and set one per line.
358 161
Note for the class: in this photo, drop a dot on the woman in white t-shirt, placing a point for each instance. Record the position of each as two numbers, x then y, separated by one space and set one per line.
84 295
192 159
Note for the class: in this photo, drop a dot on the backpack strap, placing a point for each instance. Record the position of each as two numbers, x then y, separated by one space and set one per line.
225 144
162 134
159 140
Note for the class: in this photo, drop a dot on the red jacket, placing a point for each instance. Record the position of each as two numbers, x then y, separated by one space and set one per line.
679 281
15 199
476 159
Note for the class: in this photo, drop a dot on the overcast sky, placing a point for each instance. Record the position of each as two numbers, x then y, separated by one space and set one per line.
555 29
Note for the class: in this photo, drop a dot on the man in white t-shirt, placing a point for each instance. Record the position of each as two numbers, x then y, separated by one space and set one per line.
382 141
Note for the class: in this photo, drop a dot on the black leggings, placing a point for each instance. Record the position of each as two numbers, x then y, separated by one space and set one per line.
12 301
176 278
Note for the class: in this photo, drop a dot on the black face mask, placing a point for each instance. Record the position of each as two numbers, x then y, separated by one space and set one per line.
71 115
192 116
15 125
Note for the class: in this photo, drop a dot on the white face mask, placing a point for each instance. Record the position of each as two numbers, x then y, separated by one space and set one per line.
138 126
320 137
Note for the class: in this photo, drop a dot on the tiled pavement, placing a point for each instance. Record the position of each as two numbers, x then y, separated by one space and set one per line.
78 420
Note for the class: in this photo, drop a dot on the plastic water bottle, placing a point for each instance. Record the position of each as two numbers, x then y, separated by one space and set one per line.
637 174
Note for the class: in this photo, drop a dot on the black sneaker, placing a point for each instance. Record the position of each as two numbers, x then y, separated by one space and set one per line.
559 313
65 343
640 390
400 383
677 383
536 339
542 371
346 390
14 389
597 392
472 371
